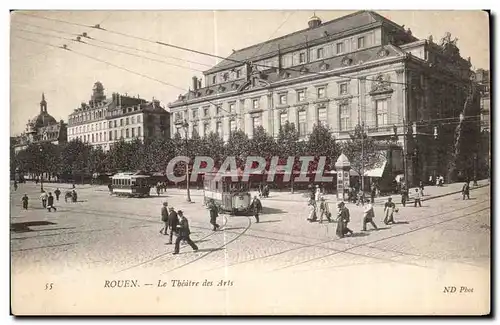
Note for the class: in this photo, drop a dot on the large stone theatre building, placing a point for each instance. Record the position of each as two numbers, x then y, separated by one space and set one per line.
360 69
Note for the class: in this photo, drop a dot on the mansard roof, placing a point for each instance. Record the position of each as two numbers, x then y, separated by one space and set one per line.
312 69
327 31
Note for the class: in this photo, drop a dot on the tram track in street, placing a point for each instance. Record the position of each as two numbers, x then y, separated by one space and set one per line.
382 239
339 240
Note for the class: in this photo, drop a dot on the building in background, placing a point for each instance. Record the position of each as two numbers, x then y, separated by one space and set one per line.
103 121
483 80
360 69
42 128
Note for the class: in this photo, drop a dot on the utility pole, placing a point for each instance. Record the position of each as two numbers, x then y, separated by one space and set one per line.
186 128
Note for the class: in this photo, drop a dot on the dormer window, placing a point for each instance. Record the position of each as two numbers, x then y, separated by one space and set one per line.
340 48
214 79
319 53
238 74
361 42
226 76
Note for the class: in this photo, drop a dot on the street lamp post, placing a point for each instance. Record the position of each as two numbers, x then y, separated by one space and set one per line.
186 129
41 171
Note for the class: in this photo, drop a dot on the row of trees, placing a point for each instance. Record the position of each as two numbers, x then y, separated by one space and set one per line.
75 159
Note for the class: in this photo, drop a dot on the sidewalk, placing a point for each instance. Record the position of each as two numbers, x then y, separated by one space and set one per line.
430 192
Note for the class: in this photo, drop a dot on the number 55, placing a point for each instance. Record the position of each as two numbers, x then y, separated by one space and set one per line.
48 286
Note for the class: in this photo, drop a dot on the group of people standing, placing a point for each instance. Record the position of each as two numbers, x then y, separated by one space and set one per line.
319 206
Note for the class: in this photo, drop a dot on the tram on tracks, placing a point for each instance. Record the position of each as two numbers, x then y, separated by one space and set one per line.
131 185
230 195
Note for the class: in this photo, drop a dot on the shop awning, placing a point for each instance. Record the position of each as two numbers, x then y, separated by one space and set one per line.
376 172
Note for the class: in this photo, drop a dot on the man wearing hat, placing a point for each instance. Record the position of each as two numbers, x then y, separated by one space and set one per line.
214 213
389 209
184 232
164 218
343 219
172 223
256 208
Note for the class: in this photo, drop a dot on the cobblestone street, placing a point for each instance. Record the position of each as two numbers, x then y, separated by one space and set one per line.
111 235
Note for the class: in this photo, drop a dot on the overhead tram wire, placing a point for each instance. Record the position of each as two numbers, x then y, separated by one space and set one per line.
103 61
85 35
324 74
109 49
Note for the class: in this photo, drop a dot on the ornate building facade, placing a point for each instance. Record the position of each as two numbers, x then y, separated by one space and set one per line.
483 80
103 121
360 69
42 128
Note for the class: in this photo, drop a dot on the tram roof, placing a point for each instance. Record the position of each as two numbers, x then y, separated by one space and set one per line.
129 175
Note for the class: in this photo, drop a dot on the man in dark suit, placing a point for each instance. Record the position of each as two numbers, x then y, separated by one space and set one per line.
164 218
184 233
214 213
173 221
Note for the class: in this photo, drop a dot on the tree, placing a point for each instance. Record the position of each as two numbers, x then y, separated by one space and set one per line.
74 159
237 146
322 143
262 144
289 146
363 151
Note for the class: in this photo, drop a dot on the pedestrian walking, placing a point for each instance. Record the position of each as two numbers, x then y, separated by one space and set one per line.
164 218
50 202
417 198
15 185
389 208
173 221
57 192
404 195
256 208
368 216
44 197
343 219
421 188
184 232
158 190
465 191
361 198
317 194
74 196
324 210
25 200
214 213
312 212
373 192
110 188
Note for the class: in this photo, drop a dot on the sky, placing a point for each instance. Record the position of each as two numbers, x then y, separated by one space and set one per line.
67 77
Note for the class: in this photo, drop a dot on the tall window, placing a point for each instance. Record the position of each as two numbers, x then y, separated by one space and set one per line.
110 135
205 112
232 125
214 79
255 122
217 109
381 108
127 121
283 118
114 122
133 120
322 116
344 117
255 103
282 99
340 48
121 133
231 108
319 53
238 74
195 113
301 95
133 132
302 123
361 42
127 134
206 128
139 131
93 138
116 135
343 89
302 57
218 128
100 136
321 92
121 122
138 119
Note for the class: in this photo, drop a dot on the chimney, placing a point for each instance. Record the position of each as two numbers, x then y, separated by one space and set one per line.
195 83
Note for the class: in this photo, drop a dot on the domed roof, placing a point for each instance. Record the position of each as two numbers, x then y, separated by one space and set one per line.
43 119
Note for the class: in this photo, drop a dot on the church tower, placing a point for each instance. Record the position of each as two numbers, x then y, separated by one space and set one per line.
43 104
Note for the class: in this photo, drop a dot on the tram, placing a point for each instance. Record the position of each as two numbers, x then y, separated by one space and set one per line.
130 184
231 196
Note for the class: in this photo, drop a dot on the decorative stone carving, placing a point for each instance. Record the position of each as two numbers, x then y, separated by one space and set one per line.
323 66
383 53
381 84
346 61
